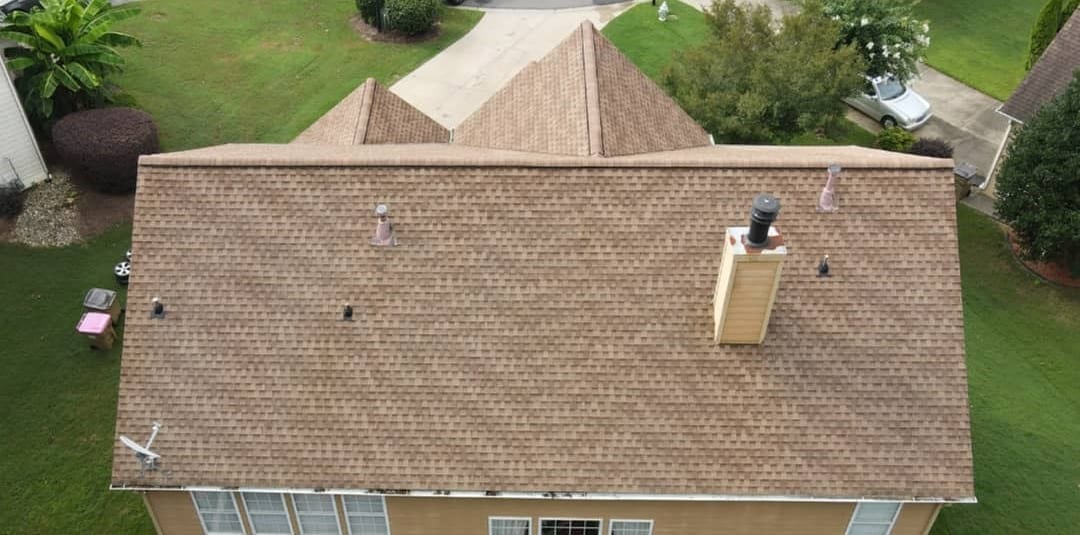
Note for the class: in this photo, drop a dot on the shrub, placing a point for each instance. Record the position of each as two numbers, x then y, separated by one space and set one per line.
1038 185
11 199
895 139
885 32
67 54
933 147
103 146
1051 18
412 17
369 11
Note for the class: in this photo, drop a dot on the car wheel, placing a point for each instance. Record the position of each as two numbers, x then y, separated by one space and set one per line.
888 122
122 271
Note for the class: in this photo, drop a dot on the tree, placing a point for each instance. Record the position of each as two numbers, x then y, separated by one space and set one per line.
885 32
67 53
1038 186
1052 18
750 82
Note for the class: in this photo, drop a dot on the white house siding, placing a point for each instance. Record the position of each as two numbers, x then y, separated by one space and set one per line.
19 154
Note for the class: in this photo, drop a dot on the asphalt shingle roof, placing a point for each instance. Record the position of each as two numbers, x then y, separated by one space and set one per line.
1050 75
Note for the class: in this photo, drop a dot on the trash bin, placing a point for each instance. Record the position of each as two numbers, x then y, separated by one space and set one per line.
97 326
101 300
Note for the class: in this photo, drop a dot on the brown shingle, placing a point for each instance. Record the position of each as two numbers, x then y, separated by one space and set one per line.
373 115
583 98
1050 75
543 326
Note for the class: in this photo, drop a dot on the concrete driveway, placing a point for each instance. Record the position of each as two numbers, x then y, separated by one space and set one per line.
453 84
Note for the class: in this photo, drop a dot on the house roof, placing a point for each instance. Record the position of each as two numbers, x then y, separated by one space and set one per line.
584 98
373 115
543 325
1050 75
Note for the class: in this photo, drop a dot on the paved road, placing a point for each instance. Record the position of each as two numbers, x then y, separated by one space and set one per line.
538 4
453 84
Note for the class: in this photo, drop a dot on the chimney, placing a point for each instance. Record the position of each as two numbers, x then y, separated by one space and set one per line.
749 276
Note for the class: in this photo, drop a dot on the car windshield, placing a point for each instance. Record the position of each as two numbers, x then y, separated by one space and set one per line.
890 88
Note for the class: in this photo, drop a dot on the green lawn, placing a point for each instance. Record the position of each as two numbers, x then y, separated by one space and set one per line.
650 45
982 43
58 396
215 72
1024 372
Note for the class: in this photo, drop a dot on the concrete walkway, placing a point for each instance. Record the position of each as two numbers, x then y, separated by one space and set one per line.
453 84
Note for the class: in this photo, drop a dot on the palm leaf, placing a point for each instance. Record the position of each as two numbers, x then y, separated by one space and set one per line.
18 64
119 39
49 84
47 34
66 79
87 78
19 37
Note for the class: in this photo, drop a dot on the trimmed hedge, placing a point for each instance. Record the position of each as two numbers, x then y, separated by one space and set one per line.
103 146
1052 17
933 147
412 17
12 198
895 139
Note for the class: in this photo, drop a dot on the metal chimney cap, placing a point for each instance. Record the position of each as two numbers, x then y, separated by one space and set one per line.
381 210
765 208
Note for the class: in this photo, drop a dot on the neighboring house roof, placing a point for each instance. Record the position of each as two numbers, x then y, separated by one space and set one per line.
373 115
584 98
544 324
1050 75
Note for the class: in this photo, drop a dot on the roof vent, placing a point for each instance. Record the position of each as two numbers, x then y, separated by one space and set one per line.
827 200
384 229
347 313
157 309
749 276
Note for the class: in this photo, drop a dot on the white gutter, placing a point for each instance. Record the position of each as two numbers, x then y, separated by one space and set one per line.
609 496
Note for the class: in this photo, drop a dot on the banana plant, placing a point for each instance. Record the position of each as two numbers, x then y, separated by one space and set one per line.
66 52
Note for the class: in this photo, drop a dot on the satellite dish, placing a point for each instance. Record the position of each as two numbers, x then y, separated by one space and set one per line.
139 450
147 459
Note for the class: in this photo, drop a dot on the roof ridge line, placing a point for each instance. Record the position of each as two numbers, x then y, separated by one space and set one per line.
364 117
592 90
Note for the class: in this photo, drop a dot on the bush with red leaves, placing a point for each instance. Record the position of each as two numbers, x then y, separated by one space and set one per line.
103 146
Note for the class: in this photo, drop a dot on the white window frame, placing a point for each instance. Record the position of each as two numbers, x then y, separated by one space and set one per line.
385 515
892 523
247 513
611 523
491 520
199 513
540 524
333 500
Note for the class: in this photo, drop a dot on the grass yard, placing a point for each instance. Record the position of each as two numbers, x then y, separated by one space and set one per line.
982 43
1024 372
650 45
216 72
58 396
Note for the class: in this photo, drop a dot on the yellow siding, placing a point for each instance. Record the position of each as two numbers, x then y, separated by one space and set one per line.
469 516
174 512
749 299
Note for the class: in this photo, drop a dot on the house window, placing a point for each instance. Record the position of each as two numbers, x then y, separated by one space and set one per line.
873 519
267 513
631 527
509 526
217 512
366 515
569 526
316 514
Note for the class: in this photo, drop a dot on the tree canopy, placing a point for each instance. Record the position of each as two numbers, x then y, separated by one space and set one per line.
885 32
753 82
1038 186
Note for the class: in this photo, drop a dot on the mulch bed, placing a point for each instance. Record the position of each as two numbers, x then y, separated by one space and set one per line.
1053 272
371 33
98 212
